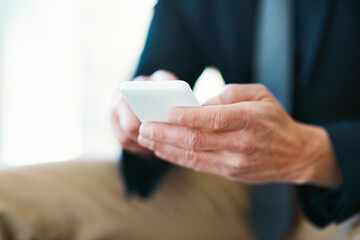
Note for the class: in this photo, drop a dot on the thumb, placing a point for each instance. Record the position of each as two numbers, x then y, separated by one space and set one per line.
233 93
161 75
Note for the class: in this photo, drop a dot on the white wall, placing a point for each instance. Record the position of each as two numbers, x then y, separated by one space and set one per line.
63 61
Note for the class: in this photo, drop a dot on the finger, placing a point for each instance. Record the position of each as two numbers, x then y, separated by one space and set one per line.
223 117
200 166
190 158
124 140
142 78
162 75
159 75
128 144
186 158
233 93
196 139
128 120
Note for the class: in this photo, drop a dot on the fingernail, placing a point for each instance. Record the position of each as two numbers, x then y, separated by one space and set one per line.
146 130
174 116
146 142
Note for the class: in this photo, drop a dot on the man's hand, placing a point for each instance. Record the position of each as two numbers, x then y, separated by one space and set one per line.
244 134
126 125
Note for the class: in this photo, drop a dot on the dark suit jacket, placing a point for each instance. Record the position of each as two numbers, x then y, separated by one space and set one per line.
187 35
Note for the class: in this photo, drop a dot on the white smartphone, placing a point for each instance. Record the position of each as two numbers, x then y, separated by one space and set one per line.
152 100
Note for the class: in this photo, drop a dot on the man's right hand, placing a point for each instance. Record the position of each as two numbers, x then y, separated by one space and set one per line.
125 124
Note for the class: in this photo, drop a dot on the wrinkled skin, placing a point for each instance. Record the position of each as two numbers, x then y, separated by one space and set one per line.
243 134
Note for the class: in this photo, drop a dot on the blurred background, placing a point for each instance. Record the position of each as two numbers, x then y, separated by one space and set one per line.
61 63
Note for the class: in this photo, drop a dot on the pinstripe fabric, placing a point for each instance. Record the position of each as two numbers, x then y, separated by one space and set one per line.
272 205
274 49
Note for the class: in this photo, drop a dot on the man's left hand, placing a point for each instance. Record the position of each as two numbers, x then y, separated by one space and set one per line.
244 134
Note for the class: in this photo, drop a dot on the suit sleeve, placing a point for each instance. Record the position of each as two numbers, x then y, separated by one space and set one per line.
169 46
323 206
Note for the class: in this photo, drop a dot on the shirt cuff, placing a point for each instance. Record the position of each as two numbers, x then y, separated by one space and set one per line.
322 205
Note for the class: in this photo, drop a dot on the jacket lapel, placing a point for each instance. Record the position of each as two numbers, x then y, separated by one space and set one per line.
317 15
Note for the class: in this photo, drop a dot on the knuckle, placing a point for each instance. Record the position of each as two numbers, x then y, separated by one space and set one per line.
246 147
190 156
194 139
263 90
254 122
238 165
220 121
261 87
159 134
257 122
228 94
